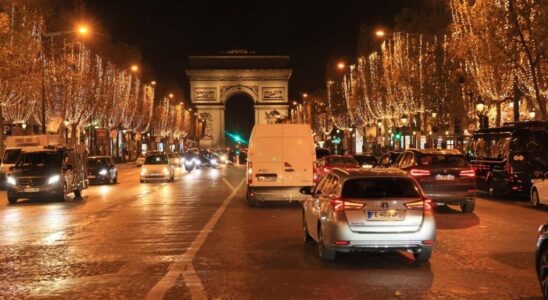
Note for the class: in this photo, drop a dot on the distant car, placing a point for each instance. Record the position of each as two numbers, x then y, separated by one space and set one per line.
542 259
539 190
140 160
336 161
175 159
368 210
388 159
101 169
157 168
366 161
444 175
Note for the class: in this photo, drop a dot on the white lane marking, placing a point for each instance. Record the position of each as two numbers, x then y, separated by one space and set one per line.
182 264
228 183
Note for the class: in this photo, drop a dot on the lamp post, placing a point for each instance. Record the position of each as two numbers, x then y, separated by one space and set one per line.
480 108
81 31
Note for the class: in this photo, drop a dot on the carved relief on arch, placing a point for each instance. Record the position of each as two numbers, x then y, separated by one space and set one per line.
228 91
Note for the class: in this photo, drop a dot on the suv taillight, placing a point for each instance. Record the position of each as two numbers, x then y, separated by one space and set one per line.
419 172
339 204
425 204
467 173
249 172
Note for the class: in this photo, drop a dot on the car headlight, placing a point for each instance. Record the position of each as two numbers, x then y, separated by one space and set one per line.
143 171
188 163
54 179
224 158
213 161
11 181
103 172
166 171
197 161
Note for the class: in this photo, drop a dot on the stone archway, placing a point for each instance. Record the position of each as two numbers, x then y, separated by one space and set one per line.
239 119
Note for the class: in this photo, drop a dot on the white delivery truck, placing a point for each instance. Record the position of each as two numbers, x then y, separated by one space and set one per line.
281 160
16 144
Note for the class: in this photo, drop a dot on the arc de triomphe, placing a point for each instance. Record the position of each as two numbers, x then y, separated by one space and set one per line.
215 79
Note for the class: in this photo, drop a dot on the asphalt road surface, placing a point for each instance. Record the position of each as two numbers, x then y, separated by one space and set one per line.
196 238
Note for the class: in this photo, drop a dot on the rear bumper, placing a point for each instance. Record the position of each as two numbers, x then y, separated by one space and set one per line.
274 193
454 197
155 177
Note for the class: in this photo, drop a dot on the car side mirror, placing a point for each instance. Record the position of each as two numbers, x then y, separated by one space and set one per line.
306 190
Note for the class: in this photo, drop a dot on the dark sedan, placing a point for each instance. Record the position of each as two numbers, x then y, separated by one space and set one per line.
102 169
542 259
366 161
444 175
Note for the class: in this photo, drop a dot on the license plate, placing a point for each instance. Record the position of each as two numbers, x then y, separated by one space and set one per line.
32 190
266 178
444 177
91 176
385 215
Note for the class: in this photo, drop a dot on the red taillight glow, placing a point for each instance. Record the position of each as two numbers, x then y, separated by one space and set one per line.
249 172
326 170
419 172
467 173
425 204
339 205
428 242
342 243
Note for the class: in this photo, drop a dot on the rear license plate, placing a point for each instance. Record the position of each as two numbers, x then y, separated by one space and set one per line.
266 178
444 177
385 215
32 190
91 176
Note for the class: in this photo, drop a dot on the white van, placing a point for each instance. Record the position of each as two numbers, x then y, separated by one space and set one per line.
281 159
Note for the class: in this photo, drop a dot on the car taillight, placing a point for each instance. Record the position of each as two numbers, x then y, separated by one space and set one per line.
314 173
425 204
326 170
249 172
419 172
339 205
467 173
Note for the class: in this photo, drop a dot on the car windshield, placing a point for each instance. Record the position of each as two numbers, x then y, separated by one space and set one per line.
11 156
156 160
100 161
366 160
39 160
388 187
341 160
442 160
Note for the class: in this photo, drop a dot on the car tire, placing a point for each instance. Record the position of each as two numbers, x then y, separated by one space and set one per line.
115 181
78 193
468 206
491 189
307 237
12 200
535 201
542 270
63 196
325 253
424 255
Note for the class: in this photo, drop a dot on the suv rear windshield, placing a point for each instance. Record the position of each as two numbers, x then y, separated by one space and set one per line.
99 161
388 187
341 160
156 160
442 160
36 161
11 156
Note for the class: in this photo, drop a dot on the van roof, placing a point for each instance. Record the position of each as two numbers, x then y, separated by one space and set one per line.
281 130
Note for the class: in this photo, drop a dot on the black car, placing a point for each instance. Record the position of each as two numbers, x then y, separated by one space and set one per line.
542 259
47 173
366 161
101 169
444 175
388 159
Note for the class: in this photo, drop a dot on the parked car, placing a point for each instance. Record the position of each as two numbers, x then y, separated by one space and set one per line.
368 210
542 259
101 169
326 163
366 161
157 168
53 172
444 175
388 159
539 190
281 160
509 157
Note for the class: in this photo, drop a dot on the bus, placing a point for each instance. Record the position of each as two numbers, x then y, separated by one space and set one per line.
507 158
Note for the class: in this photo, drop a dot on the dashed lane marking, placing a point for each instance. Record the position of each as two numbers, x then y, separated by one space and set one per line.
182 264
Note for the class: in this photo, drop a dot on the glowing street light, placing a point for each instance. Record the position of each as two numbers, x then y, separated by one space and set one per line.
341 65
532 115
153 82
380 33
134 68
83 30
305 95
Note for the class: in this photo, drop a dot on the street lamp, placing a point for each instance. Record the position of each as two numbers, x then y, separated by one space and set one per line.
380 33
81 31
153 82
434 114
404 119
171 96
134 68
532 115
341 65
480 108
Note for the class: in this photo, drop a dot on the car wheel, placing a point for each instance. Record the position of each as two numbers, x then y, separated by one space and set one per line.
63 195
251 202
115 178
491 189
534 198
468 206
542 269
325 253
307 237
110 179
12 200
424 255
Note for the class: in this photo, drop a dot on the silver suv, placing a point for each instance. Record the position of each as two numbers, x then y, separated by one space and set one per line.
369 210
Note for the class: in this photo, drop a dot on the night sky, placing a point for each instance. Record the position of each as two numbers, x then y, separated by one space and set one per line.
309 31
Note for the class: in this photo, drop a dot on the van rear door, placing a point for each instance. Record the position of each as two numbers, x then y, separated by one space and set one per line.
299 156
267 161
